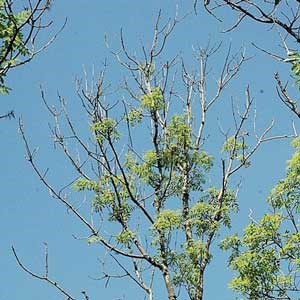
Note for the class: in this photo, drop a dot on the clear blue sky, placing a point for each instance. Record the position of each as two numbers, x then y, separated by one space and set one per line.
29 216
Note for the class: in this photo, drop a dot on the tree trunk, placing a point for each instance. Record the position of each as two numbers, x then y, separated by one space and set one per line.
199 287
169 285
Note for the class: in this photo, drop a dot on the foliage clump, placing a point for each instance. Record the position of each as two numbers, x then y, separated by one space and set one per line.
167 220
125 237
134 117
154 100
105 129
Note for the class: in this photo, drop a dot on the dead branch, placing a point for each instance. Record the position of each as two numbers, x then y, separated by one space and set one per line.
9 115
284 96
44 277
282 14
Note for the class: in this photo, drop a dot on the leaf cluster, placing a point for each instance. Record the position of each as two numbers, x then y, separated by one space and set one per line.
154 100
105 129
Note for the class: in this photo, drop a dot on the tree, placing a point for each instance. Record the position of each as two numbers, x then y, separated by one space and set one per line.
20 29
154 209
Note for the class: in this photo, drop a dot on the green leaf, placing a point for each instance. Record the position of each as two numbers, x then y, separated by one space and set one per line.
125 236
82 184
105 129
93 239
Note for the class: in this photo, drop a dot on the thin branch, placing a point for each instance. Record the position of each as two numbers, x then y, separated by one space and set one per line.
42 277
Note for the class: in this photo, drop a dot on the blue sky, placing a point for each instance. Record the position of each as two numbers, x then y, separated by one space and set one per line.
29 216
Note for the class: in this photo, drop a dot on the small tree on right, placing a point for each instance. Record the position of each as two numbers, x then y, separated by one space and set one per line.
267 256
